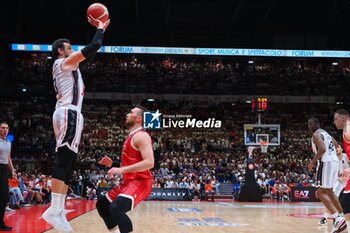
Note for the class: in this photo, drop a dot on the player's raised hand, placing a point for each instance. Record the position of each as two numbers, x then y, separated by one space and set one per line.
106 24
98 23
107 161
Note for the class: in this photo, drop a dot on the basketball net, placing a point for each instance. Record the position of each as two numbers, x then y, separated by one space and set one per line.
264 145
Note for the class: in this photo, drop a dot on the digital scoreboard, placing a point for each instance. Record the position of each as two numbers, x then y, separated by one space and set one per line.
259 104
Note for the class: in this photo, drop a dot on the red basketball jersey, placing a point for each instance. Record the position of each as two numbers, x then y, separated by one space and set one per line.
130 156
346 149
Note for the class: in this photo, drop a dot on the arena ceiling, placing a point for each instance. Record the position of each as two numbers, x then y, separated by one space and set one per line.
307 24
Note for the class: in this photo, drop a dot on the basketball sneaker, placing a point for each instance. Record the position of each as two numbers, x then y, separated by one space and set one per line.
323 222
54 217
65 221
339 225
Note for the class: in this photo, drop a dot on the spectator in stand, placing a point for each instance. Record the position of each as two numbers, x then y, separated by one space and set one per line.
77 182
91 191
209 191
194 190
184 184
13 187
22 184
31 186
71 194
102 183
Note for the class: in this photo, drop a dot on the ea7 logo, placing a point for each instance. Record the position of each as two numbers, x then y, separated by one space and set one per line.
301 194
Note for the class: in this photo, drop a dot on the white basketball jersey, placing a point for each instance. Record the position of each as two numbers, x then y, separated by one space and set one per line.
330 154
68 85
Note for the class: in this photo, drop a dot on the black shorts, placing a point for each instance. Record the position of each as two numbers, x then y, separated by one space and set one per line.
345 202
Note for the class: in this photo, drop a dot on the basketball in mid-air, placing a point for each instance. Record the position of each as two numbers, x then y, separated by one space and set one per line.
98 11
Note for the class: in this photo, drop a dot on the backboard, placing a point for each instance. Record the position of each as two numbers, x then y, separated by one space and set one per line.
253 133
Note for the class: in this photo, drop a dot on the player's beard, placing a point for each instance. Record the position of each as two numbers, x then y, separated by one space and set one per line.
129 123
67 54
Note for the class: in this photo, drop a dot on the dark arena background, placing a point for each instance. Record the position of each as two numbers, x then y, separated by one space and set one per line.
217 78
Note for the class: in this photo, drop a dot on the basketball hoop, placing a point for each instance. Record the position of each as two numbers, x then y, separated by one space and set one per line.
264 145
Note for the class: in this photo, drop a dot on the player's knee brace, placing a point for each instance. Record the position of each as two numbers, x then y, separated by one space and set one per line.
64 165
118 211
60 172
120 205
102 206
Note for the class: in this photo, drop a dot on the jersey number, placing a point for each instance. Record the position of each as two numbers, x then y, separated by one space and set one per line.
331 146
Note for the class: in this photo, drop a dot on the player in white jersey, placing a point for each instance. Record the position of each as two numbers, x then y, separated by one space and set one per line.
67 118
340 183
327 170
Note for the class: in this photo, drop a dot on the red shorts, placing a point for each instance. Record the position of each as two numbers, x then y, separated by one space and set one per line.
136 190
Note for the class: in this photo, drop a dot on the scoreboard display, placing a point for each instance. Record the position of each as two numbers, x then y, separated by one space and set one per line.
259 104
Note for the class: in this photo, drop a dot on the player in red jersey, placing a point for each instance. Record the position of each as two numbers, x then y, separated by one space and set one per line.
136 160
342 121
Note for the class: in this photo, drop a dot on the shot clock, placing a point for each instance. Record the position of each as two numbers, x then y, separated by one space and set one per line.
259 104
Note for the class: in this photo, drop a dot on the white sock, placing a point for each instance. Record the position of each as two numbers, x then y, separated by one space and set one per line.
115 231
62 201
348 223
56 200
326 215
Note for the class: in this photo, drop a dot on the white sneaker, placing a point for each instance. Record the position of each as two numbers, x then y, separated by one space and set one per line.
9 209
339 225
53 217
65 221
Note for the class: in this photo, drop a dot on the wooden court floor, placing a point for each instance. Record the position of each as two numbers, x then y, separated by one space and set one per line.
218 217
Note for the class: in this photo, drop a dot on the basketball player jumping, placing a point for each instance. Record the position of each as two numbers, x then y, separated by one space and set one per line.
136 160
67 118
342 121
326 172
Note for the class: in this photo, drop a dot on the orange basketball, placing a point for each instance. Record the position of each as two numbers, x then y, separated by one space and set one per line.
98 11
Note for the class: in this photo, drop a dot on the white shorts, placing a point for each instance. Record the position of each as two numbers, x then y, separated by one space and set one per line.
338 187
327 174
68 125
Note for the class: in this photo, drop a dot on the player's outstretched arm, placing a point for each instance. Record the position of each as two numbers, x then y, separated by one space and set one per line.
72 62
